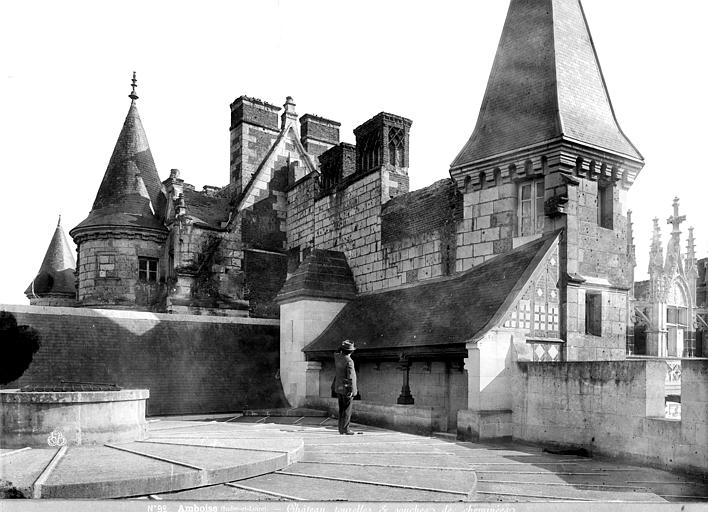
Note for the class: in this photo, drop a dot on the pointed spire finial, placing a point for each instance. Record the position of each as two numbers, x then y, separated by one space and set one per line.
132 94
675 220
59 221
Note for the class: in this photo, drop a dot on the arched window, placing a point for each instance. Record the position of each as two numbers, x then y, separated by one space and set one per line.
395 146
497 177
482 179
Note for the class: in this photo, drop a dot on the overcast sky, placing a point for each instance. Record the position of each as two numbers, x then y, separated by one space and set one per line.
66 69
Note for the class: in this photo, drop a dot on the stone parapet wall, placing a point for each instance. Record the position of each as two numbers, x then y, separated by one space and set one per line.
616 409
190 364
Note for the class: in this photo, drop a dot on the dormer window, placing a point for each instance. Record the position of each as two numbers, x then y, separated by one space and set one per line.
530 214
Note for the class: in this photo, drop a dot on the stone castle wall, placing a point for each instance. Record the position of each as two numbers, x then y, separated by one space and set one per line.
349 220
190 364
488 226
300 218
417 258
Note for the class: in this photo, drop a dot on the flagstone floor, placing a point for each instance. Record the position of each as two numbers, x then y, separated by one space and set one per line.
299 456
382 465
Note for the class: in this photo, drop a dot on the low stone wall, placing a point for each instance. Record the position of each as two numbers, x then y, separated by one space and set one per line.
191 364
616 409
404 418
480 425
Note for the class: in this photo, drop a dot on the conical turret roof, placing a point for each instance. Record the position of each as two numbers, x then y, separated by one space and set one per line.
56 275
131 186
546 83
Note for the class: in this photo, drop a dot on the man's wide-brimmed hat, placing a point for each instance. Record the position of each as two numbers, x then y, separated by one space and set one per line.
347 346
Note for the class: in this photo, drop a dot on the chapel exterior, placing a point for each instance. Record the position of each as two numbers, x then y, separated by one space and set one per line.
670 305
522 254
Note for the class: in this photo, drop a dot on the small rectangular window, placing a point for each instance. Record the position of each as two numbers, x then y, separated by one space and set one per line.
147 269
605 198
531 212
593 313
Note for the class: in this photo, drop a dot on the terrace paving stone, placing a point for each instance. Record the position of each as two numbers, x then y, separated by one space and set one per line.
290 456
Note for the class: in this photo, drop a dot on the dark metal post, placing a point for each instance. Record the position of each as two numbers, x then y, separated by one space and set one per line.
405 398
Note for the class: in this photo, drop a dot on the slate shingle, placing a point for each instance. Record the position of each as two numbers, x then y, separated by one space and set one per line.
131 186
56 274
322 274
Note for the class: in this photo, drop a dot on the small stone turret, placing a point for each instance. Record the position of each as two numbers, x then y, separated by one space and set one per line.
55 283
121 242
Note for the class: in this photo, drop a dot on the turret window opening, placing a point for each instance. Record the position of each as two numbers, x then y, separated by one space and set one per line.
531 214
147 269
395 146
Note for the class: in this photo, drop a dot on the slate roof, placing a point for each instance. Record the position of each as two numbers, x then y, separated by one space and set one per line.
421 211
324 274
131 186
546 82
207 209
56 274
435 315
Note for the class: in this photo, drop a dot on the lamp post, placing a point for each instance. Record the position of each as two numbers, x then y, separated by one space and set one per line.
405 398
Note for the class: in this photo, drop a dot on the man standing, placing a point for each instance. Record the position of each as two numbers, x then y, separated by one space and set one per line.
345 384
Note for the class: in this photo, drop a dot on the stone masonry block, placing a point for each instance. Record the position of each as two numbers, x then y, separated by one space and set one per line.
483 222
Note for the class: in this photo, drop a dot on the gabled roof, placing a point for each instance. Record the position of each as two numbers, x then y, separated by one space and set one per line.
546 83
421 211
323 274
56 274
436 314
131 185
